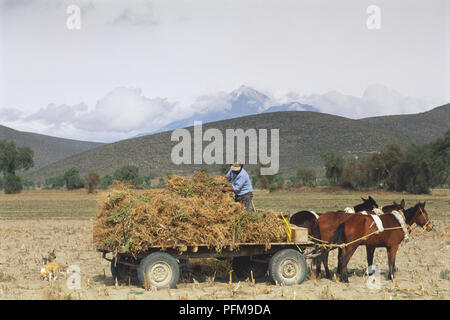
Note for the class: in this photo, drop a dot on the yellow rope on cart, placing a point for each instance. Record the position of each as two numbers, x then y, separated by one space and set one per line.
287 227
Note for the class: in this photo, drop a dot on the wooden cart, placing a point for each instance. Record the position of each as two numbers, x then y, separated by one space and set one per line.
160 267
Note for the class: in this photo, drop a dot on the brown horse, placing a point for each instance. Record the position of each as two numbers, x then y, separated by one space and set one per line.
357 226
308 219
394 206
368 204
328 223
305 219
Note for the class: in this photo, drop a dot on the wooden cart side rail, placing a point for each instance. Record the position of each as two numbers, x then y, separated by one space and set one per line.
236 246
203 251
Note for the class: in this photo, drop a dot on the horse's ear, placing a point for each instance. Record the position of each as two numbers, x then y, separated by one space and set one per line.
423 204
402 204
370 197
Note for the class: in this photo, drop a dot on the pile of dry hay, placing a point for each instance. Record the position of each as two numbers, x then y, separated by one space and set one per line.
189 211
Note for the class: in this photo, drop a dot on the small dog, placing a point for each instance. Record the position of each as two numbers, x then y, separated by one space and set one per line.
50 257
50 271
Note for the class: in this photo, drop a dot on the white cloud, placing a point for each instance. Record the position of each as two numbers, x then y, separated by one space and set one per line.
208 103
376 100
126 112
10 114
56 116
122 113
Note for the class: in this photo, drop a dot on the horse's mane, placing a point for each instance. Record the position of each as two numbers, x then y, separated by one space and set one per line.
409 213
389 207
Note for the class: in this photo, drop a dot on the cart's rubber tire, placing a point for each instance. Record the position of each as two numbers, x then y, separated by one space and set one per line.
159 269
122 272
288 267
243 265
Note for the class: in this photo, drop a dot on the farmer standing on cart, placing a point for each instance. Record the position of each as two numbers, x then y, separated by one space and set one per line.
241 184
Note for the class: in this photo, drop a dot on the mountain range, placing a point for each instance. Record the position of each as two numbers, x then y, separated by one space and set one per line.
303 136
304 133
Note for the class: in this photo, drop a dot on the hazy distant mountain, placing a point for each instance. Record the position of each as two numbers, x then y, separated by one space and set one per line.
242 102
291 106
46 149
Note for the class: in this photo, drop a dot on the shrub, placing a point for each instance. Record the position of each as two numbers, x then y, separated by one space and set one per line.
334 166
306 176
13 184
54 182
92 180
276 184
72 179
28 184
106 181
128 173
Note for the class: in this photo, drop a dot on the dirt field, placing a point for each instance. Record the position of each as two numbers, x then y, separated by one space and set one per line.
35 222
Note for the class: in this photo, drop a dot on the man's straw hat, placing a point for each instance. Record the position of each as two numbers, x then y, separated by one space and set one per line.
236 166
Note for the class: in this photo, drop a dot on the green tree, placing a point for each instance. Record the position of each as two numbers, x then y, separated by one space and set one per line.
106 181
12 159
270 182
334 166
353 175
28 184
72 179
13 183
414 174
147 180
161 183
392 158
306 176
54 182
128 173
262 181
439 160
92 180
276 184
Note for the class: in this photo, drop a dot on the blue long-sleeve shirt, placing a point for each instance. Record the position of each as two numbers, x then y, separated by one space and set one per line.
241 182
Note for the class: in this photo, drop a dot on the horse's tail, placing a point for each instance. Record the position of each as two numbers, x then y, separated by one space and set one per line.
338 234
338 237
316 231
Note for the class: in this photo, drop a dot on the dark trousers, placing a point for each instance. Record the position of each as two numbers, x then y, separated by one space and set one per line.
245 199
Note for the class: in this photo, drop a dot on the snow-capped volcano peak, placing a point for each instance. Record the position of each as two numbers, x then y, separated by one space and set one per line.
249 93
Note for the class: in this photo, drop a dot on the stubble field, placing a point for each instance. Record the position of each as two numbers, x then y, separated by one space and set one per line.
35 222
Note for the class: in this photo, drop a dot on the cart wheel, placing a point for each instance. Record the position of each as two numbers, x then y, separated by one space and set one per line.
160 270
243 265
288 267
122 272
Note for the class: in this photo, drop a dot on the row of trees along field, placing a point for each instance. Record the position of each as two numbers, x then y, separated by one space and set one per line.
72 180
414 170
